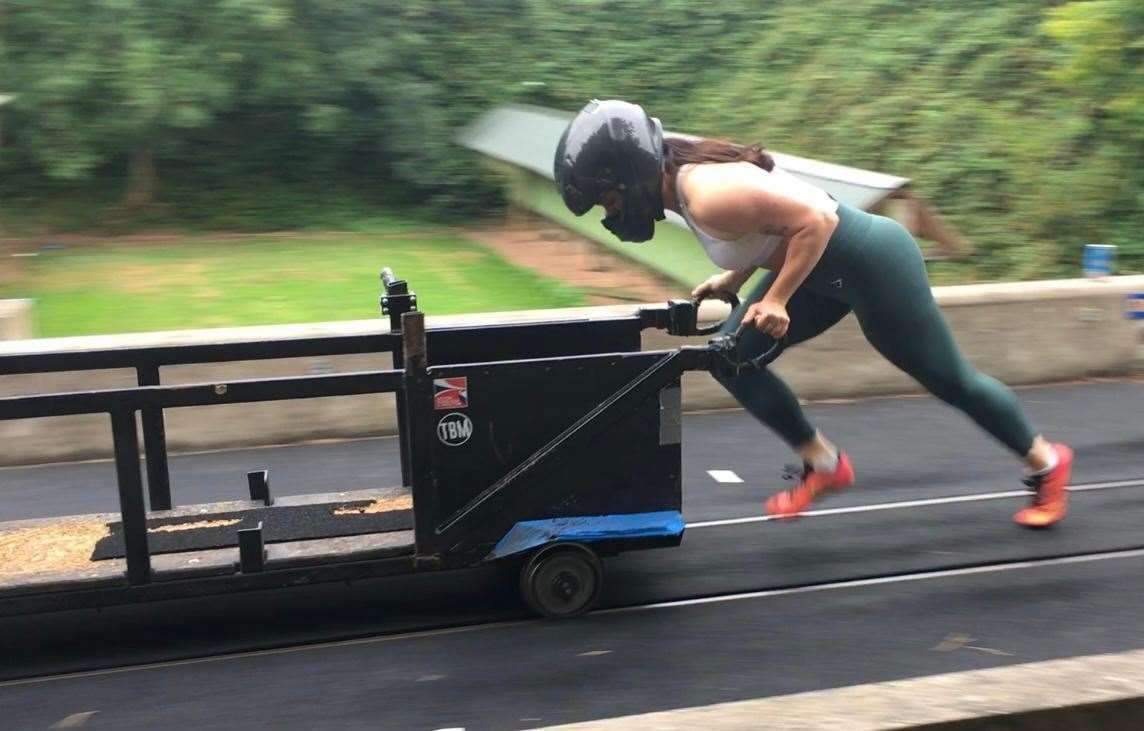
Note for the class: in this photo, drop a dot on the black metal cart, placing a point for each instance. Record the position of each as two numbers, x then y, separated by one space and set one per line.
551 443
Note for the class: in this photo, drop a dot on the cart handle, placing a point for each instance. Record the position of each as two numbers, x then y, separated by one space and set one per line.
727 297
727 346
388 277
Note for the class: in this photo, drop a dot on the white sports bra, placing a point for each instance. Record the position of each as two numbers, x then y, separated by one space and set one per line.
755 248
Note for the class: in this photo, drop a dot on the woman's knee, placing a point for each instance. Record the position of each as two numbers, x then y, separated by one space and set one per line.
953 386
736 385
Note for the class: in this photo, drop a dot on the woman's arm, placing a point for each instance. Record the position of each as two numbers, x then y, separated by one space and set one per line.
724 283
739 277
737 200
804 249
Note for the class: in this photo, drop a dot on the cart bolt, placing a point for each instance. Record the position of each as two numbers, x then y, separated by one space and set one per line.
220 389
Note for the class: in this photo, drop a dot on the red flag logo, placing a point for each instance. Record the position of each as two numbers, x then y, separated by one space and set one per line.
450 393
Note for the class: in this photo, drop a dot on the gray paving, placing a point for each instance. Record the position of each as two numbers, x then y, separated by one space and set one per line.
538 673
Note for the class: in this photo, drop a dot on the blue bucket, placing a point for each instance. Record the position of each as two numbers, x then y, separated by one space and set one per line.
1098 260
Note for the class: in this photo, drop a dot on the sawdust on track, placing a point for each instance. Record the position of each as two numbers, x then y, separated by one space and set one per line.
381 505
63 545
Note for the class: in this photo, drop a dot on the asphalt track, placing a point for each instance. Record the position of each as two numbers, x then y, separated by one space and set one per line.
916 571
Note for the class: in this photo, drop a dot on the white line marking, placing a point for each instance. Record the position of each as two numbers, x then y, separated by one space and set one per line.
1106 485
989 651
903 578
952 642
975 497
724 476
75 720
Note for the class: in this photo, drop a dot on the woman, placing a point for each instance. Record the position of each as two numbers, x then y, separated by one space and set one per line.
825 259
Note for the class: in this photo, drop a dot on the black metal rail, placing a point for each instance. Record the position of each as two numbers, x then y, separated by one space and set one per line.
201 394
144 358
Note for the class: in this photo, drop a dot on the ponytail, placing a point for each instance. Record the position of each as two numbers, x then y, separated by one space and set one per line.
680 152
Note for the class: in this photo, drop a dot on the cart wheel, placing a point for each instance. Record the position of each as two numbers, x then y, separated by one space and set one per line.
562 580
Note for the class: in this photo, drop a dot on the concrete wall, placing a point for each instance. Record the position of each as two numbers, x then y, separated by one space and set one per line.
1021 333
15 319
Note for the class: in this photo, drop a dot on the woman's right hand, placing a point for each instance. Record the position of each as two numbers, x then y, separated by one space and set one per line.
718 286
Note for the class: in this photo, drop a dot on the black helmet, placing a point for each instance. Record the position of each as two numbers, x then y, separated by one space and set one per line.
613 145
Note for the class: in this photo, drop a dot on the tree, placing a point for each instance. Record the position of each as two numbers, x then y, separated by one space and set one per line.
1103 60
101 80
1102 68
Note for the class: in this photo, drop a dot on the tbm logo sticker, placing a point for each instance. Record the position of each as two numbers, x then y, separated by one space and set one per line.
454 429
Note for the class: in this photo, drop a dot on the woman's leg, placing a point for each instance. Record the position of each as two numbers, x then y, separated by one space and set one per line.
897 313
762 393
900 318
769 400
922 346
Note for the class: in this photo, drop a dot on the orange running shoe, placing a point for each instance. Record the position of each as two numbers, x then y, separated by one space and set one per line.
1050 498
789 503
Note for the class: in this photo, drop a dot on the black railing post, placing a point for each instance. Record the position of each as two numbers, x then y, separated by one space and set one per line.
132 509
396 301
155 443
402 420
417 428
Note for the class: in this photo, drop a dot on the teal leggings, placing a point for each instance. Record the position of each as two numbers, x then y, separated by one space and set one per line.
873 267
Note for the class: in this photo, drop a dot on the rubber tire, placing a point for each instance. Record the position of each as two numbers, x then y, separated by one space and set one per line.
575 566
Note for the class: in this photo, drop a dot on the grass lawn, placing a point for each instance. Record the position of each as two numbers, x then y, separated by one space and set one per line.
312 277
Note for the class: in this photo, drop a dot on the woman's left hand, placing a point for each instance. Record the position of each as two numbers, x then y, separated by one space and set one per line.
769 318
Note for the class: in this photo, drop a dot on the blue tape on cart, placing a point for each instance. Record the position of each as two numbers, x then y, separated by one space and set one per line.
1134 306
529 534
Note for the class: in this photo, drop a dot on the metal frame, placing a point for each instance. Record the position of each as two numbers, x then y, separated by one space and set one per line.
440 541
122 405
147 362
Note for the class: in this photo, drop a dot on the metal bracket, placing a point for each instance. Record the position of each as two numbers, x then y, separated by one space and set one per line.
397 299
678 318
251 550
727 360
259 484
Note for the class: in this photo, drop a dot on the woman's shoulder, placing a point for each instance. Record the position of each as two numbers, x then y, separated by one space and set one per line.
721 179
723 190
717 180
714 172
719 196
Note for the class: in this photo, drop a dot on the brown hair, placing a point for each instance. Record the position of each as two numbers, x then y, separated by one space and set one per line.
682 151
